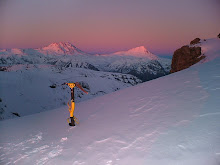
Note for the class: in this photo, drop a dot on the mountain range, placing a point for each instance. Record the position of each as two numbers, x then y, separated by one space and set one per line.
33 77
137 61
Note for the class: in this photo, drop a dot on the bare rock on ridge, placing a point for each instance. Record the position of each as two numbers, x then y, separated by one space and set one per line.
185 57
195 41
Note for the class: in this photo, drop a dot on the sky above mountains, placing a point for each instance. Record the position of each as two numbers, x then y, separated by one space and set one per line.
99 26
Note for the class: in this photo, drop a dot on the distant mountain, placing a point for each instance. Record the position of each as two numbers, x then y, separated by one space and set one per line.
57 48
137 61
137 52
61 48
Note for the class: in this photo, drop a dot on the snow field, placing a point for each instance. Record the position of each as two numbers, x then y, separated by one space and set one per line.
162 121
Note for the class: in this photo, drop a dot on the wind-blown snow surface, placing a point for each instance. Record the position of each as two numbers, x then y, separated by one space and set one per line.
171 120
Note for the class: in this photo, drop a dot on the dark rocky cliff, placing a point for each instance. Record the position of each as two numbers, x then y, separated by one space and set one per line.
186 56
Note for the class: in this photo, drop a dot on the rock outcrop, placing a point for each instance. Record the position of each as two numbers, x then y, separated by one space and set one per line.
195 41
185 57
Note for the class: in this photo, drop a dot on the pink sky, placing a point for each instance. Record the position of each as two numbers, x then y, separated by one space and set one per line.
100 26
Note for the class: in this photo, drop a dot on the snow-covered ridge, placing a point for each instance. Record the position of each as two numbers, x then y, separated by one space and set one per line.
56 48
66 48
137 52
138 61
14 51
211 49
60 48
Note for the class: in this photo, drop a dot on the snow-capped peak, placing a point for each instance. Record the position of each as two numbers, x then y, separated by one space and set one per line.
140 51
63 45
61 48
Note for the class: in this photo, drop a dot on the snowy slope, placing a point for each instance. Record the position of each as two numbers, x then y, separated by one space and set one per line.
171 120
26 89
